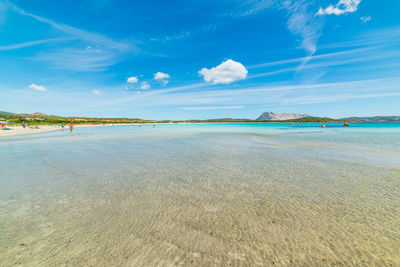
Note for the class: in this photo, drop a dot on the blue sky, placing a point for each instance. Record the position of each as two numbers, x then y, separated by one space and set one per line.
200 59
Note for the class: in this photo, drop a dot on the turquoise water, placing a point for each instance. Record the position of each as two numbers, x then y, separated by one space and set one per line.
202 194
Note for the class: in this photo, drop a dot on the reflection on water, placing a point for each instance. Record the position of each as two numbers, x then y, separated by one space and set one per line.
201 195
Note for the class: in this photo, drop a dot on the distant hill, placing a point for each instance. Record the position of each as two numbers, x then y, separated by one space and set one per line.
41 118
273 116
375 118
5 113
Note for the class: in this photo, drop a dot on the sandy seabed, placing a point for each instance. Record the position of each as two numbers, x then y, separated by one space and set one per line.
201 200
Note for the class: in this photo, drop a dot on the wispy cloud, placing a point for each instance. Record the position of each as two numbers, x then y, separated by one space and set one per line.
281 94
302 22
300 14
186 33
315 57
31 43
365 19
144 85
331 63
313 99
79 33
76 59
379 48
3 12
252 7
211 108
98 56
382 37
97 92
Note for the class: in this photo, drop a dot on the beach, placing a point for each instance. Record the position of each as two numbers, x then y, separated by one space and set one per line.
202 195
19 130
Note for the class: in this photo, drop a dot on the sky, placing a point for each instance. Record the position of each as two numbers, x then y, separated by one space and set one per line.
199 59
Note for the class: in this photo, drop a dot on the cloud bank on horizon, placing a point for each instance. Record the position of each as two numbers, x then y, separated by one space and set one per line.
260 44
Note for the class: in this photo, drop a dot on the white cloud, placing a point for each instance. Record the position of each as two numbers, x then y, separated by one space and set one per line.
37 87
162 77
227 72
96 92
365 19
343 7
132 79
144 85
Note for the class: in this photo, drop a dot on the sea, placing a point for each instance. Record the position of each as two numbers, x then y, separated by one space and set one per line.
220 194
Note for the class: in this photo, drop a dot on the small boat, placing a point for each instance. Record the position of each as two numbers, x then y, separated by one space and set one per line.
323 126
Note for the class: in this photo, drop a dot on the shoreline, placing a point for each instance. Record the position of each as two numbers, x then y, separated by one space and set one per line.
18 130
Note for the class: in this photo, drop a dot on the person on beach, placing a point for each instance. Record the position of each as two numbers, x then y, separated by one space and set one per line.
23 124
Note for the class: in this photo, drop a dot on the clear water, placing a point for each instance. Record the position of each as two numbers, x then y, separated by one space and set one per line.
202 194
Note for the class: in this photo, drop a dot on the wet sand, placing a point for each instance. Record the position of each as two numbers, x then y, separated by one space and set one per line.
201 200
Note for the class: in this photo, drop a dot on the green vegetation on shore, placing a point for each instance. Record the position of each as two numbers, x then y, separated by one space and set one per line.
43 119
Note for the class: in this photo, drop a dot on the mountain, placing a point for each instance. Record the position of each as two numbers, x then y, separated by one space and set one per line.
375 118
272 116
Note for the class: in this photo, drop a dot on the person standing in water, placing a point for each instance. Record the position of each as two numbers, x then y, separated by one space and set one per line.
71 127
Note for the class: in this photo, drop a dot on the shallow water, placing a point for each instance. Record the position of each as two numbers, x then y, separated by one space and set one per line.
209 194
